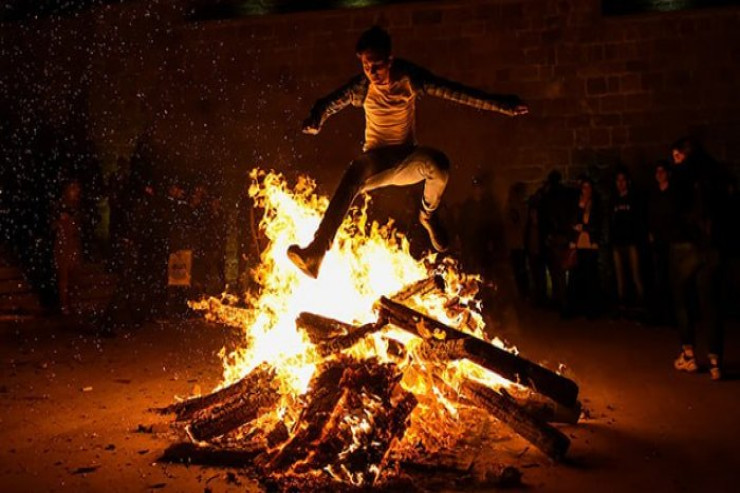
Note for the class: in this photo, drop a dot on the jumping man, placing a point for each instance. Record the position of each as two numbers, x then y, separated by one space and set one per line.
387 91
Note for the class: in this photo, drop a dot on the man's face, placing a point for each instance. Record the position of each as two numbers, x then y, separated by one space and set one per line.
678 157
661 175
376 67
621 183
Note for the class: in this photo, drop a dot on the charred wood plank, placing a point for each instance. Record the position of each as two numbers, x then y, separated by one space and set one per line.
549 440
191 453
459 345
421 287
238 410
332 336
321 399
186 409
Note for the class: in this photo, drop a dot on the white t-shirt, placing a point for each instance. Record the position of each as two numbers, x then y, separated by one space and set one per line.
390 114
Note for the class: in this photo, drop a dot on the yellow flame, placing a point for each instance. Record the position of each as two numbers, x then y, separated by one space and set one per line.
367 261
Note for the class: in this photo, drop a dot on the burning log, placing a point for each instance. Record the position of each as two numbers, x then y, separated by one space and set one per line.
238 408
459 345
322 397
421 287
186 409
332 336
365 422
549 440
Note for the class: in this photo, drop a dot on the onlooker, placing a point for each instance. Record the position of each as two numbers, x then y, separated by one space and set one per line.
215 254
555 213
584 287
535 249
515 221
196 223
626 227
694 257
661 231
68 242
477 223
180 260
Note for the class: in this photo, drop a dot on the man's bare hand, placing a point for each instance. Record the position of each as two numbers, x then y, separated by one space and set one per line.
311 126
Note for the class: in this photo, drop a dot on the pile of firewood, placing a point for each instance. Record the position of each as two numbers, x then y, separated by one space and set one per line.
356 409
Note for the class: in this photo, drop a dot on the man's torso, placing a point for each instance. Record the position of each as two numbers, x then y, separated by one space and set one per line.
390 114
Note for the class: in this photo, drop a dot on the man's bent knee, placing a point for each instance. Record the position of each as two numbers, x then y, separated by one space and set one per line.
436 163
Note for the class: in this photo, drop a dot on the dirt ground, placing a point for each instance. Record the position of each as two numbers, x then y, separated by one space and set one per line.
74 409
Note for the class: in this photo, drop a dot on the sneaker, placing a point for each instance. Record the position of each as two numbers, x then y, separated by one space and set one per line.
437 234
306 259
685 363
715 370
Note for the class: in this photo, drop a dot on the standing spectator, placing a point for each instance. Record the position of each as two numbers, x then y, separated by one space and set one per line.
197 232
584 287
556 219
214 254
535 249
695 268
661 228
626 235
120 205
477 223
515 219
68 243
180 260
250 240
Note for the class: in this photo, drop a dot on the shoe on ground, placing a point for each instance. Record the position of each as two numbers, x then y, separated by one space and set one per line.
686 363
715 369
437 233
306 259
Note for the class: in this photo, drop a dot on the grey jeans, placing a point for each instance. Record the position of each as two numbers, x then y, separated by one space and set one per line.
384 167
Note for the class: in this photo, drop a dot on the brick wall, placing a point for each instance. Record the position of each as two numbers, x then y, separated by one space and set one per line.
220 97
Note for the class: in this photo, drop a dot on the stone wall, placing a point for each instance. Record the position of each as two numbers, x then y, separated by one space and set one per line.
216 98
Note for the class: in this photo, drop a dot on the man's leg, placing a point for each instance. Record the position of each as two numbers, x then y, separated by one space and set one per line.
684 262
352 183
433 168
708 289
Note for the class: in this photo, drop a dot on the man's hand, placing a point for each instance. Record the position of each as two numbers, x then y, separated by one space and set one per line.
311 126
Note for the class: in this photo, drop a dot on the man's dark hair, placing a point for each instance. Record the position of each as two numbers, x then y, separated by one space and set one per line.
375 39
663 163
686 145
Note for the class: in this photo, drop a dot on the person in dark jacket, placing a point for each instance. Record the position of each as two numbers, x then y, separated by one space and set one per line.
627 231
387 91
695 263
555 213
584 287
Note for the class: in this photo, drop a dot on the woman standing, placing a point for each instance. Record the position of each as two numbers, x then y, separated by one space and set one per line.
584 280
626 234
68 243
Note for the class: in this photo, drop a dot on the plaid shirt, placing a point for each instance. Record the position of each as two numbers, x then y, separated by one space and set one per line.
423 82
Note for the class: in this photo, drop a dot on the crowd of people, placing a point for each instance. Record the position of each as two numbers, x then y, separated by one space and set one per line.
666 254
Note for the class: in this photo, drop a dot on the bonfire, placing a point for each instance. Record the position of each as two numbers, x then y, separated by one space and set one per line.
381 362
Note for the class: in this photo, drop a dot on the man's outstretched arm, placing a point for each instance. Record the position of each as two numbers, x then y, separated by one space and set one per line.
333 103
428 83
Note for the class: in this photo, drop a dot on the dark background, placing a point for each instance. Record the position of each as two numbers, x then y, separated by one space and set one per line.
212 99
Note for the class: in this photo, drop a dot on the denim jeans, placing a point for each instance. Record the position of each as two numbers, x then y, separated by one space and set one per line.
695 272
627 258
383 167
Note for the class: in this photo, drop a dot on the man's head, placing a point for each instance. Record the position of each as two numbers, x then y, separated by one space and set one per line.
662 172
682 149
374 51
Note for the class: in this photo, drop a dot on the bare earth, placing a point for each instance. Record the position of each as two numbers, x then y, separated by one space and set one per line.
74 409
